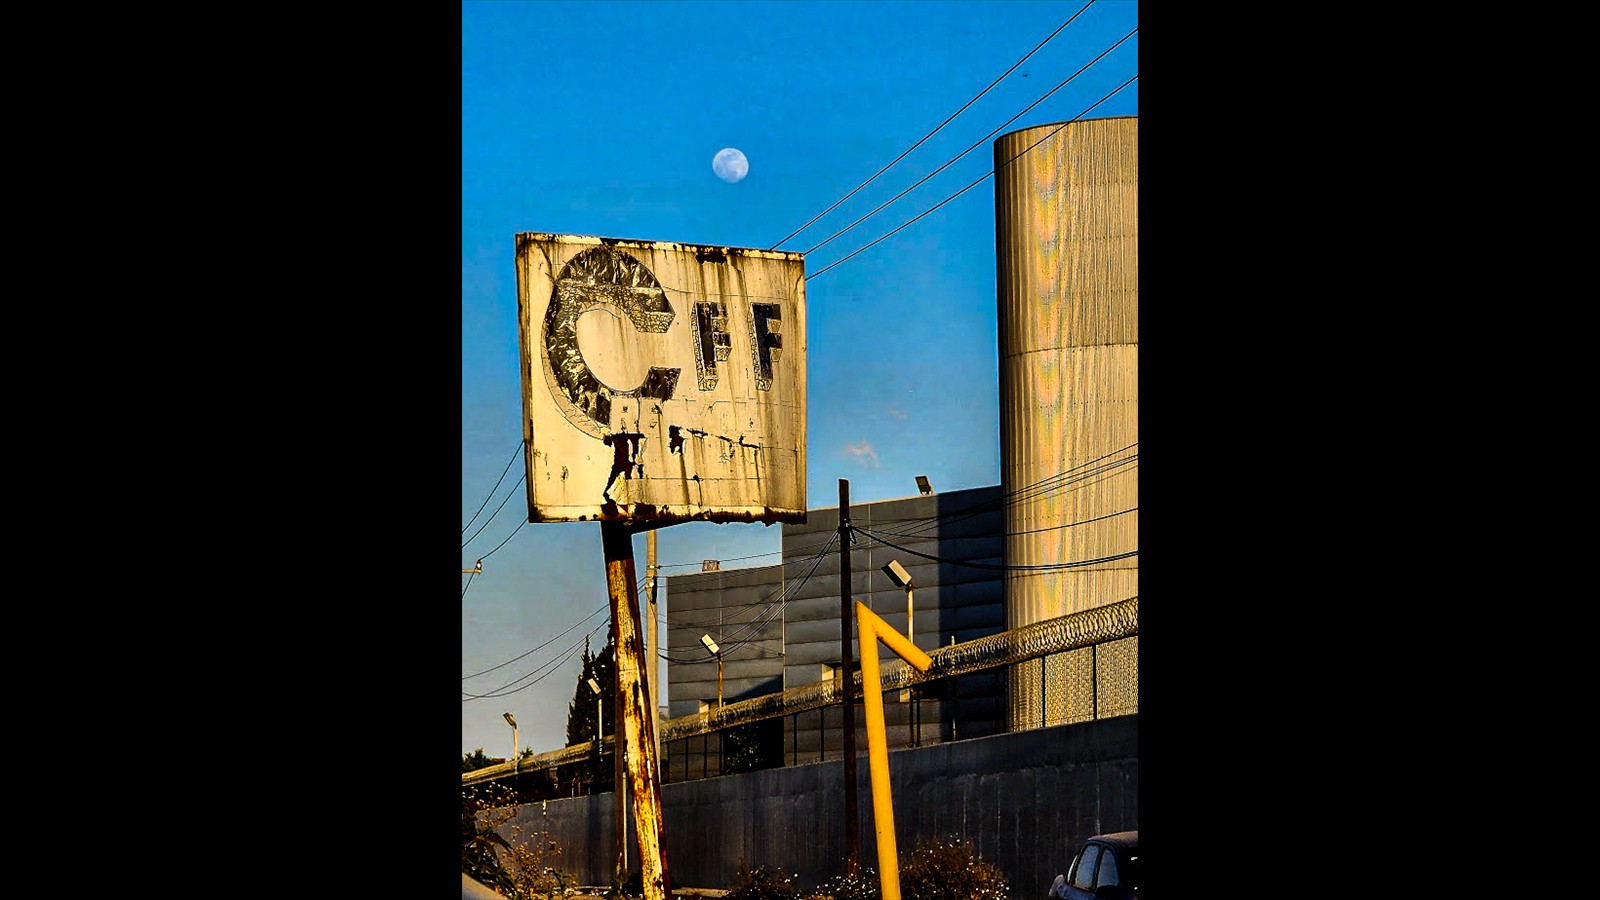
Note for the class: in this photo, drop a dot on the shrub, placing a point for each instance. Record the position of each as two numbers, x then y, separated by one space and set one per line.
764 883
517 867
481 842
950 871
861 886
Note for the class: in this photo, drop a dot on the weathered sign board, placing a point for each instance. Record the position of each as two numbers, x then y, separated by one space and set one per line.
661 381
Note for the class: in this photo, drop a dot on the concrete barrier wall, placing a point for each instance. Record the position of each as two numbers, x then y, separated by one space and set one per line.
1023 800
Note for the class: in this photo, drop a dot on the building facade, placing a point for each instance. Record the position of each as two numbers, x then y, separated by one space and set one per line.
778 627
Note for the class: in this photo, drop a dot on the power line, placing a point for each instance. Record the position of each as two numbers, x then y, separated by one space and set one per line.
541 646
639 592
496 486
491 518
479 568
936 130
969 187
513 534
972 148
1076 564
771 609
554 666
918 526
766 613
775 605
1016 496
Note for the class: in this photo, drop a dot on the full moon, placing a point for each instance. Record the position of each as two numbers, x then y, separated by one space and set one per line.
730 164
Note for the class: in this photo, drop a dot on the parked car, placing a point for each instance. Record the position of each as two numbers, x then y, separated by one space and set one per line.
1106 867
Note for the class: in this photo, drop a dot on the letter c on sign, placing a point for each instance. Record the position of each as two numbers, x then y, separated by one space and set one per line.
601 275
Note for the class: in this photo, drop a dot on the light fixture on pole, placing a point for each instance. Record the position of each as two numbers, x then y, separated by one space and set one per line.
898 574
513 723
923 485
717 652
599 720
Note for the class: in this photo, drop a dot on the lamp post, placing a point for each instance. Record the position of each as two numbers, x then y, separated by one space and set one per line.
717 652
620 833
898 574
513 723
599 712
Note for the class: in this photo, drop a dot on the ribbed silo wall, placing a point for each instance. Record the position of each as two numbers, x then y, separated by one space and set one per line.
1067 248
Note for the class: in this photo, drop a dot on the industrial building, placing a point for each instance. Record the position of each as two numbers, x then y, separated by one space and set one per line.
1058 535
777 627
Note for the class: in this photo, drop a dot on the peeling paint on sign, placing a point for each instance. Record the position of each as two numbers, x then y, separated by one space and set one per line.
605 402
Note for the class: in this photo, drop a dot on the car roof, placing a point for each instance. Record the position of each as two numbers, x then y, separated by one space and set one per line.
1122 840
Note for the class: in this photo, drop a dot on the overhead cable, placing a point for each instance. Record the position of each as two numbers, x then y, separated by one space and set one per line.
541 646
935 131
496 486
496 512
1075 564
975 145
969 187
553 666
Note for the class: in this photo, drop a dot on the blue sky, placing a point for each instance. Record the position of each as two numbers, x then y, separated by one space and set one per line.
601 118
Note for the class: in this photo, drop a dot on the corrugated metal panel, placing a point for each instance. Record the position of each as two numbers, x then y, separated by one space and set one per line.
662 381
1067 246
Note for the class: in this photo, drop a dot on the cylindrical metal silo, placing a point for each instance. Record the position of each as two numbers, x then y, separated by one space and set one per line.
1067 246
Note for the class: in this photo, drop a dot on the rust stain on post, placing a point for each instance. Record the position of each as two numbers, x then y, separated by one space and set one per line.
638 721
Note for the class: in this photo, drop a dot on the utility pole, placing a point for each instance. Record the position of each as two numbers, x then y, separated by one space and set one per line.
635 741
852 818
652 650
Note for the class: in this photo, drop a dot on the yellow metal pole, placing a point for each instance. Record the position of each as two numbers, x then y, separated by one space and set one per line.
873 629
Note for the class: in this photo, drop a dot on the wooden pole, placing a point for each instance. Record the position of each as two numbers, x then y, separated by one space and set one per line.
852 815
635 740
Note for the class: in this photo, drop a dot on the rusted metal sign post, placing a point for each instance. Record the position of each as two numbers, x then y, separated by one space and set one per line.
620 432
874 629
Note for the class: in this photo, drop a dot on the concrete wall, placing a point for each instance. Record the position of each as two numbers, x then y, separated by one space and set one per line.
1023 800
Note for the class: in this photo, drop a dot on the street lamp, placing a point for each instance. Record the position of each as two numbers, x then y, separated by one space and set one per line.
898 574
599 720
717 652
513 723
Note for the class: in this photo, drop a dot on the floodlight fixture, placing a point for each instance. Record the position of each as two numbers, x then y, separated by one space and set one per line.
717 652
599 714
923 485
509 721
897 573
